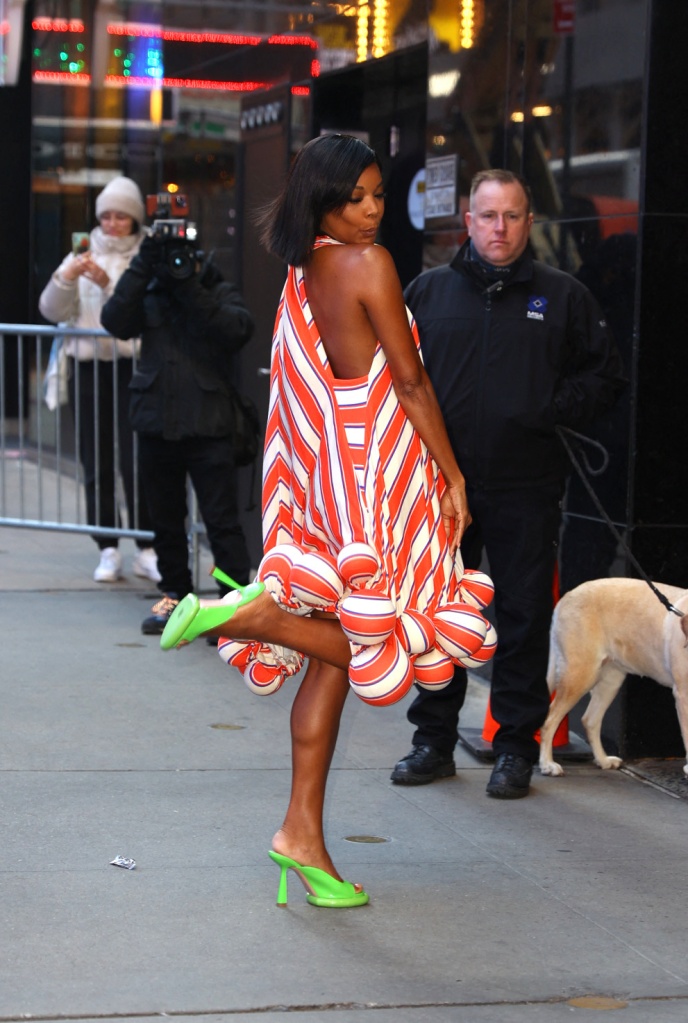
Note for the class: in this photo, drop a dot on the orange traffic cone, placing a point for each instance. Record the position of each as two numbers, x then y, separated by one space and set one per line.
490 726
561 736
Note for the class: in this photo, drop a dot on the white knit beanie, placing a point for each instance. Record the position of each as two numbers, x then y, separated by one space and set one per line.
121 195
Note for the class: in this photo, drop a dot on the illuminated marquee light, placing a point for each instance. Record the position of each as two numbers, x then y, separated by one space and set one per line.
231 39
154 79
467 23
57 25
60 78
362 33
136 30
183 83
292 41
380 28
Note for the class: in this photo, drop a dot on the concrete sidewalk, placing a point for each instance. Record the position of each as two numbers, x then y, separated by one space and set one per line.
481 911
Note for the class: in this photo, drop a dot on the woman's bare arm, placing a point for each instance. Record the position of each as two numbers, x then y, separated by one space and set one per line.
379 292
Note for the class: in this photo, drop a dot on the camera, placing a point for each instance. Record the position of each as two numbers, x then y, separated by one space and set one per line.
175 234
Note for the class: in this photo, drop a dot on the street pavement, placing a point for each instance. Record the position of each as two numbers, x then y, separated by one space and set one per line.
561 906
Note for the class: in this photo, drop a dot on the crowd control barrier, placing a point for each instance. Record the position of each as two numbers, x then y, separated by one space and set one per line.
41 475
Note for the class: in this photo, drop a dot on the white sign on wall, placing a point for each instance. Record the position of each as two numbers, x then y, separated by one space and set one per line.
440 186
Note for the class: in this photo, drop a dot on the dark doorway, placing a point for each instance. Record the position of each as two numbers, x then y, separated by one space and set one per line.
384 101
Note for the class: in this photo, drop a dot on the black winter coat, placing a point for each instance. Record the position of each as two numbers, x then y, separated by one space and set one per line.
510 362
190 331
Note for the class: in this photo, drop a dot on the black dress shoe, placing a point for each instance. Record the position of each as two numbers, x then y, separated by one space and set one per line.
510 778
422 765
155 624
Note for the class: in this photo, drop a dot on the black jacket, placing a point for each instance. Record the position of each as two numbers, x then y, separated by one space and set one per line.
190 330
511 361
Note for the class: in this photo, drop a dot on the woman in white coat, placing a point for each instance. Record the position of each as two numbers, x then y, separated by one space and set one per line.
100 369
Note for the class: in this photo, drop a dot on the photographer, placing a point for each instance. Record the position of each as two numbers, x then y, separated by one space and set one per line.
191 323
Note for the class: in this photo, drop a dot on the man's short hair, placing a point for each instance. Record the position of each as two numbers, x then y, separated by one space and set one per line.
503 177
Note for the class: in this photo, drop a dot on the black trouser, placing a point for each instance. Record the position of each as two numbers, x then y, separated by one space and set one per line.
209 463
101 413
519 530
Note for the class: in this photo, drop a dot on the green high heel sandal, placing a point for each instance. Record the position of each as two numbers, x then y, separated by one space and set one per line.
189 620
324 890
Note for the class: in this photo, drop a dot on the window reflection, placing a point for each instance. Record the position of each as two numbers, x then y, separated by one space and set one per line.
541 90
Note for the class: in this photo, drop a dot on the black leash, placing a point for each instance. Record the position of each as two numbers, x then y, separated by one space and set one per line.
561 430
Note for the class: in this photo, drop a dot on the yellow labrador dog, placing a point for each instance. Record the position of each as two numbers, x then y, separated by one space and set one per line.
602 631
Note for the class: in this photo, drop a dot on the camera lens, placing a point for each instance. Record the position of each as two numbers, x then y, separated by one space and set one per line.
181 262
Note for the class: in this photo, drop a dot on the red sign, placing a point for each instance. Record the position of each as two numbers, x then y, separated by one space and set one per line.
564 17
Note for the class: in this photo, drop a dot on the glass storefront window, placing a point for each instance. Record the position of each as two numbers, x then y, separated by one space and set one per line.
154 91
535 87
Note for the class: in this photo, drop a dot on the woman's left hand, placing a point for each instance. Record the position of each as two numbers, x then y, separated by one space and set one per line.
455 514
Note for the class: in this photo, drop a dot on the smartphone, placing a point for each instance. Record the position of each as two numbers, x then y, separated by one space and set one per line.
81 241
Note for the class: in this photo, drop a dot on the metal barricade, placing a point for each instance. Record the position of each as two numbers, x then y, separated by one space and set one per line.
41 471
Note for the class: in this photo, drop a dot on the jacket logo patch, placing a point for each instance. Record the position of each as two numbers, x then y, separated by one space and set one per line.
537 307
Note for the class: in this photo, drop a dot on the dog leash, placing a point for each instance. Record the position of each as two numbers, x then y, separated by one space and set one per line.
561 430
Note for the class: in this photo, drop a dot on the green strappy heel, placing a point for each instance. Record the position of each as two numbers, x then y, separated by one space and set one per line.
189 620
324 890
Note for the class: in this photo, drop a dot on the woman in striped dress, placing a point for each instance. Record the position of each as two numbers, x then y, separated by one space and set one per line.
357 460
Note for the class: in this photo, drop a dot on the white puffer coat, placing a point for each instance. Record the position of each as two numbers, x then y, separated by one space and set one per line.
78 303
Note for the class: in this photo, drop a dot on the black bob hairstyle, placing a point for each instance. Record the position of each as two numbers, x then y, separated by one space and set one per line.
321 180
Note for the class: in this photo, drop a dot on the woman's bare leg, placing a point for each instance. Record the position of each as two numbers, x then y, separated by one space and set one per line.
265 621
315 718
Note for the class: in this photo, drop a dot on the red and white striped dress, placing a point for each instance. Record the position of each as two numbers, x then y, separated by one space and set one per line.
343 464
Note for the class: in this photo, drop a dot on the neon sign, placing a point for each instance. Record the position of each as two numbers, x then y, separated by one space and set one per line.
147 56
